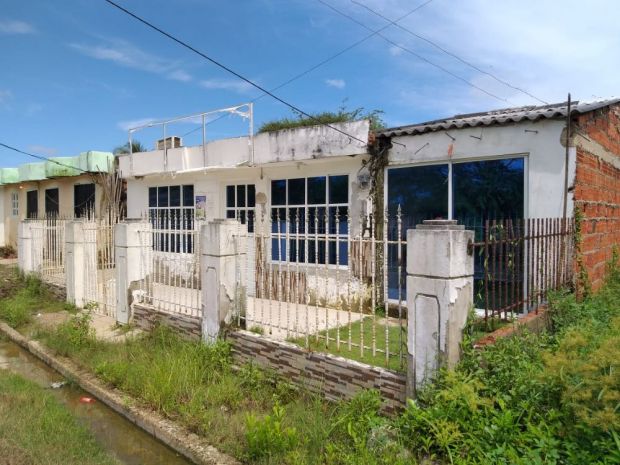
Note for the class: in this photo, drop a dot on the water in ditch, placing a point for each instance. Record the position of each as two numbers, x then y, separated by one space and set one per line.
128 443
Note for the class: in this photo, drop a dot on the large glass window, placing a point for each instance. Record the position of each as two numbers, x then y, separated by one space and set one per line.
32 204
315 209
240 203
421 193
51 202
171 208
83 200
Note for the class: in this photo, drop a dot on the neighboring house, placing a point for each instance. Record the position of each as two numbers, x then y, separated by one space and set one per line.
49 189
512 164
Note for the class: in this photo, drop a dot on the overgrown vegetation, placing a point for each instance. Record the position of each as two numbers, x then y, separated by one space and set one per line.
6 251
36 429
24 296
549 399
327 117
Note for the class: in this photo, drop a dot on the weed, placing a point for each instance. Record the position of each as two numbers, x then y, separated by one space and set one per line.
268 437
257 330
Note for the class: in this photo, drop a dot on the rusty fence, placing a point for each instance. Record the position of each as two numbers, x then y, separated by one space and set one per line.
519 261
325 280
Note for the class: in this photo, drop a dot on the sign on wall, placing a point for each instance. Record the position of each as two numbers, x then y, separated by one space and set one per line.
201 207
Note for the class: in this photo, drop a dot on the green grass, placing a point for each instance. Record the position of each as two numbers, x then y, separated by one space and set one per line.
36 429
24 297
359 331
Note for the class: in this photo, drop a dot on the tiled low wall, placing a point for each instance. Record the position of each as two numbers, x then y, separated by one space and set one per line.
335 377
147 317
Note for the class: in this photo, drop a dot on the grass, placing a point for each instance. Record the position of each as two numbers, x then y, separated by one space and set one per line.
326 342
328 117
36 429
23 297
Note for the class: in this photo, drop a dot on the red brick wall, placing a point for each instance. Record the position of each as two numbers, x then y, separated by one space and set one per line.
597 188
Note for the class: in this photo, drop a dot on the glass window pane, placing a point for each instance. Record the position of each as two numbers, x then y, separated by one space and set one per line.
317 188
188 195
162 196
278 249
278 192
339 189
230 214
230 196
338 220
296 219
152 197
486 190
297 250
251 195
251 221
296 191
313 247
175 196
278 220
241 196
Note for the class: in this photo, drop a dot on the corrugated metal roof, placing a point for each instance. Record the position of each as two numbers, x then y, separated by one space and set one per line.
504 116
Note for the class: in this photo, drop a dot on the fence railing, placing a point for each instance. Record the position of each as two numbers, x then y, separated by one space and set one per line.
170 263
519 261
99 264
325 280
48 247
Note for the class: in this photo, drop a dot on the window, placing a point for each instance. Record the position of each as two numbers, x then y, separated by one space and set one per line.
171 208
15 203
51 202
83 200
32 204
240 203
315 210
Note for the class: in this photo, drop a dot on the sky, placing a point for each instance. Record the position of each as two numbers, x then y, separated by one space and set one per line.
76 74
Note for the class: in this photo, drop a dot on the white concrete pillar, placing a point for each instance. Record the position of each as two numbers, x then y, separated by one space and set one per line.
74 263
440 284
222 266
24 247
133 243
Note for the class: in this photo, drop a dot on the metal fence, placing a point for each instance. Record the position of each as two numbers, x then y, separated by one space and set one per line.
519 261
326 281
170 263
48 247
99 264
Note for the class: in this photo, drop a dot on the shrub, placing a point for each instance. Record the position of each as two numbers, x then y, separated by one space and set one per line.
268 437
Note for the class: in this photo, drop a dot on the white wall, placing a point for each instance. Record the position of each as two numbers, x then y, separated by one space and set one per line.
539 142
4 193
302 144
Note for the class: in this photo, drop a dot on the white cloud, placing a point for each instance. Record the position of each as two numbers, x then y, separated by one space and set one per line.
125 54
127 125
43 150
180 75
395 51
5 96
337 83
235 85
11 26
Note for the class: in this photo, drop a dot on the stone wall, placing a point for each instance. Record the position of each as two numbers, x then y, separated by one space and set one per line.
597 187
335 377
147 317
56 290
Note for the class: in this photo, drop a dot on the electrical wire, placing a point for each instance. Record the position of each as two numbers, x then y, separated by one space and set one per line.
411 52
41 157
323 62
231 71
448 52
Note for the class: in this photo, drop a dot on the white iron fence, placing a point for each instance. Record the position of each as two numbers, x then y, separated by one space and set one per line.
327 281
99 265
48 248
170 262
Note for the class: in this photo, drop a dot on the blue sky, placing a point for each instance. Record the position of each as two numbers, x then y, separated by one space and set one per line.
75 74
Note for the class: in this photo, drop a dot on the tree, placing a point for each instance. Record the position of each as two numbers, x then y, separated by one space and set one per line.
136 146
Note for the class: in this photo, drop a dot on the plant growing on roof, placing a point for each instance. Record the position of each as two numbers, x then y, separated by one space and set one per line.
136 146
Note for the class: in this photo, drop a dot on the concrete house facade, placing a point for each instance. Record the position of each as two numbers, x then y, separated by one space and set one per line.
61 187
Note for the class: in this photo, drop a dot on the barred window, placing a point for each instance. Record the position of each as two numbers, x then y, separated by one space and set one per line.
309 216
171 209
15 203
240 203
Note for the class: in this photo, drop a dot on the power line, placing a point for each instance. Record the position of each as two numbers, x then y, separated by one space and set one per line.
231 71
454 55
417 55
41 157
325 61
